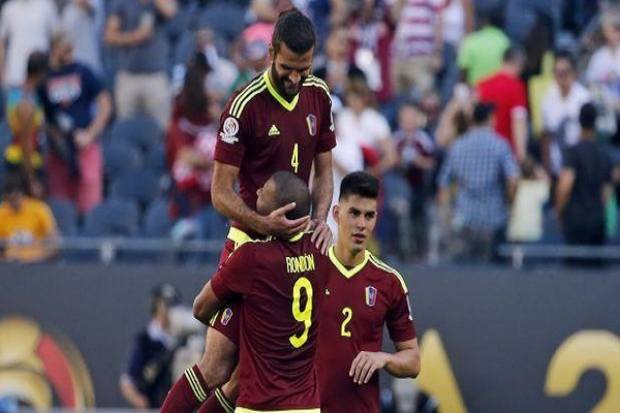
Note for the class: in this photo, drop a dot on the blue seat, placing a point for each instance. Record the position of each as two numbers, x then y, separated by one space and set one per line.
139 185
66 216
141 131
225 18
113 217
157 221
119 158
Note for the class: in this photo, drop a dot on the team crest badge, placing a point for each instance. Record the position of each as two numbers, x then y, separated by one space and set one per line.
371 296
226 316
311 121
230 128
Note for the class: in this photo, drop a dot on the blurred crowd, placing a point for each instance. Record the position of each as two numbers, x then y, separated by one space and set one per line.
489 121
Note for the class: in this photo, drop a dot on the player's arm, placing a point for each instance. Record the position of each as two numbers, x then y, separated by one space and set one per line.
231 280
206 304
227 202
322 192
405 362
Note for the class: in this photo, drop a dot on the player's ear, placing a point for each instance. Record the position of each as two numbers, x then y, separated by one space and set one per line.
272 51
335 211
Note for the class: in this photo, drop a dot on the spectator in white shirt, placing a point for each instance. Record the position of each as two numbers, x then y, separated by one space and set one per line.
26 26
560 111
360 122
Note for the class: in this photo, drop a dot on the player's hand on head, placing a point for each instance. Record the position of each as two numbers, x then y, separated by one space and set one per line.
365 364
279 225
322 236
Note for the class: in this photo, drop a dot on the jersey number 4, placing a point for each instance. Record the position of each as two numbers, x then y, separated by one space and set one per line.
303 315
295 158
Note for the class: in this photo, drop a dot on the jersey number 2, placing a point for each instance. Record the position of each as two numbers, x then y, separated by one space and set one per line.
303 315
348 314
295 158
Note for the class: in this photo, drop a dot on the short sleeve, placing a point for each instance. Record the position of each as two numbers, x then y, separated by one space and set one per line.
92 84
47 224
232 136
464 55
327 137
569 160
509 165
136 361
399 319
233 277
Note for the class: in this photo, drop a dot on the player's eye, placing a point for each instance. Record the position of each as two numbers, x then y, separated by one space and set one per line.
370 215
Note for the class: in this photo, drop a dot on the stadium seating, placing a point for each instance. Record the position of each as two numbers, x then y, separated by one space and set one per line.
138 185
140 131
113 217
66 216
157 221
119 158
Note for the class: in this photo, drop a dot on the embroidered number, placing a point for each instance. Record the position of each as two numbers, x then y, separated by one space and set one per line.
303 315
348 314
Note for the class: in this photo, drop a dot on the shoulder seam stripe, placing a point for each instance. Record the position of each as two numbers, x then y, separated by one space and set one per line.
391 270
246 91
325 88
246 100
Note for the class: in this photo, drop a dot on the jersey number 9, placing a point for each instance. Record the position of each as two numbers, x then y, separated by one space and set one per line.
303 315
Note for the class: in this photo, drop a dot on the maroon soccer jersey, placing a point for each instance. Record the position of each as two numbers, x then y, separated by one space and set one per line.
283 286
261 133
358 303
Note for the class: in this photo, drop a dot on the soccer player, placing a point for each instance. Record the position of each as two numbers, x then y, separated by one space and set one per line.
280 121
363 294
283 283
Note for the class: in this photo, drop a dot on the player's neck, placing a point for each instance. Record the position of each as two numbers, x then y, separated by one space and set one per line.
347 257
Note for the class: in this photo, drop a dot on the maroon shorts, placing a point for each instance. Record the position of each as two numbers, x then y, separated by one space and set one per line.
227 320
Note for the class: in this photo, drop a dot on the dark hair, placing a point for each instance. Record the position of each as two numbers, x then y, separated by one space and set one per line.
359 183
290 188
193 96
14 183
482 112
165 292
295 30
37 63
514 53
587 116
565 55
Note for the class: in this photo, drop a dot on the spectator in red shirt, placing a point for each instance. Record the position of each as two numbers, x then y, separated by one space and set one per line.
507 92
190 145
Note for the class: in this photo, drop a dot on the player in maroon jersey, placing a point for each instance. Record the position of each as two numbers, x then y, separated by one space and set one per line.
363 294
283 284
281 120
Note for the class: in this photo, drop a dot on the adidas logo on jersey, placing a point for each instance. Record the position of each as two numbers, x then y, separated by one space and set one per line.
273 131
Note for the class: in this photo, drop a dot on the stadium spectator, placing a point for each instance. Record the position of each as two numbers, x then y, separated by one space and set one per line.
147 378
68 94
27 228
603 72
137 28
583 188
336 68
190 145
359 121
25 117
508 93
82 21
480 53
455 118
26 26
560 111
416 160
417 44
371 31
526 217
482 167
253 58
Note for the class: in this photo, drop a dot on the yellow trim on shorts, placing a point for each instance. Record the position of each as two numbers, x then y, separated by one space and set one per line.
246 410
